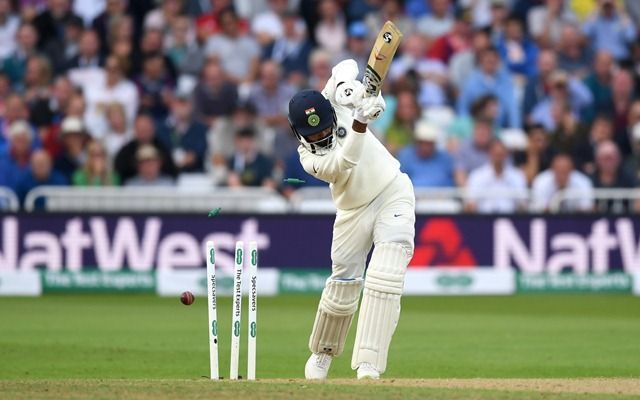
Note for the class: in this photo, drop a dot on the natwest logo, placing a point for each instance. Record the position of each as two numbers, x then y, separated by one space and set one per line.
111 247
538 250
441 243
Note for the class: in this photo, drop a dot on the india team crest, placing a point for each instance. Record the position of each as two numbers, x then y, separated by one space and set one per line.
313 119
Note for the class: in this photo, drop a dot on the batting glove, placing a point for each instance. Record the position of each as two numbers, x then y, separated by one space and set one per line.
349 94
369 109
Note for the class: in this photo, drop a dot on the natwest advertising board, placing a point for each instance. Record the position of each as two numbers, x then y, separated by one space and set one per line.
529 244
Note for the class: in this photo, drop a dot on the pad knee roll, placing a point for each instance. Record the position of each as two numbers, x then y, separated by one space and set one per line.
380 308
338 304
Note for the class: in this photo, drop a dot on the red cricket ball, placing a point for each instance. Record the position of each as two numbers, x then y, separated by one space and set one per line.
187 298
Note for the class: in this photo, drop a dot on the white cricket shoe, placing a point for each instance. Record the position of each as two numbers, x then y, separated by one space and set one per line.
317 366
367 371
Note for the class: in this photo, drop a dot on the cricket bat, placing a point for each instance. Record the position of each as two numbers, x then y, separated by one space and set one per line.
384 49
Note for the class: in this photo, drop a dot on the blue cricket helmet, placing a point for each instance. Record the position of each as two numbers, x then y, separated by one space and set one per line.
311 113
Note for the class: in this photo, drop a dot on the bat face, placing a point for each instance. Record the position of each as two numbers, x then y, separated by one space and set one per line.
380 58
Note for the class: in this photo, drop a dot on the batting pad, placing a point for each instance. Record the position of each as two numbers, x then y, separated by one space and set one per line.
380 309
338 304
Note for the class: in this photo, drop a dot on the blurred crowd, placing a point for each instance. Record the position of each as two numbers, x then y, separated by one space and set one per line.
492 96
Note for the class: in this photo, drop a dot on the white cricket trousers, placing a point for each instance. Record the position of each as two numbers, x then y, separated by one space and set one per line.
389 218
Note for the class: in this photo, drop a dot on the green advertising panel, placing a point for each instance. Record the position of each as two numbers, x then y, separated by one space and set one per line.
97 281
574 283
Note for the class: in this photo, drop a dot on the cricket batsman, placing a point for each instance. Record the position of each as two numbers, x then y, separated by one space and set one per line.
375 207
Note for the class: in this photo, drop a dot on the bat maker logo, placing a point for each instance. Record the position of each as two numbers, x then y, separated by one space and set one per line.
387 37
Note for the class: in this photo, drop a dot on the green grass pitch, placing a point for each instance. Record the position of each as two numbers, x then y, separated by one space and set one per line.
140 346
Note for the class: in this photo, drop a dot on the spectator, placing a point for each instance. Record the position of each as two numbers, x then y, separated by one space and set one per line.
480 12
430 75
237 53
51 21
291 50
16 64
105 87
439 21
152 44
182 49
456 40
5 92
208 21
491 78
77 106
505 185
610 30
601 131
88 11
163 16
15 159
537 87
610 174
122 29
570 135
125 162
114 10
184 135
547 20
267 26
499 14
622 96
562 176
249 167
89 55
149 167
96 170
61 52
400 132
390 10
320 68
40 173
461 129
271 97
411 56
330 32
50 111
118 133
574 55
538 154
599 82
560 89
9 24
14 110
517 51
473 152
463 62
358 47
632 163
74 140
122 49
214 97
423 162
37 80
222 138
633 117
30 9
154 87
